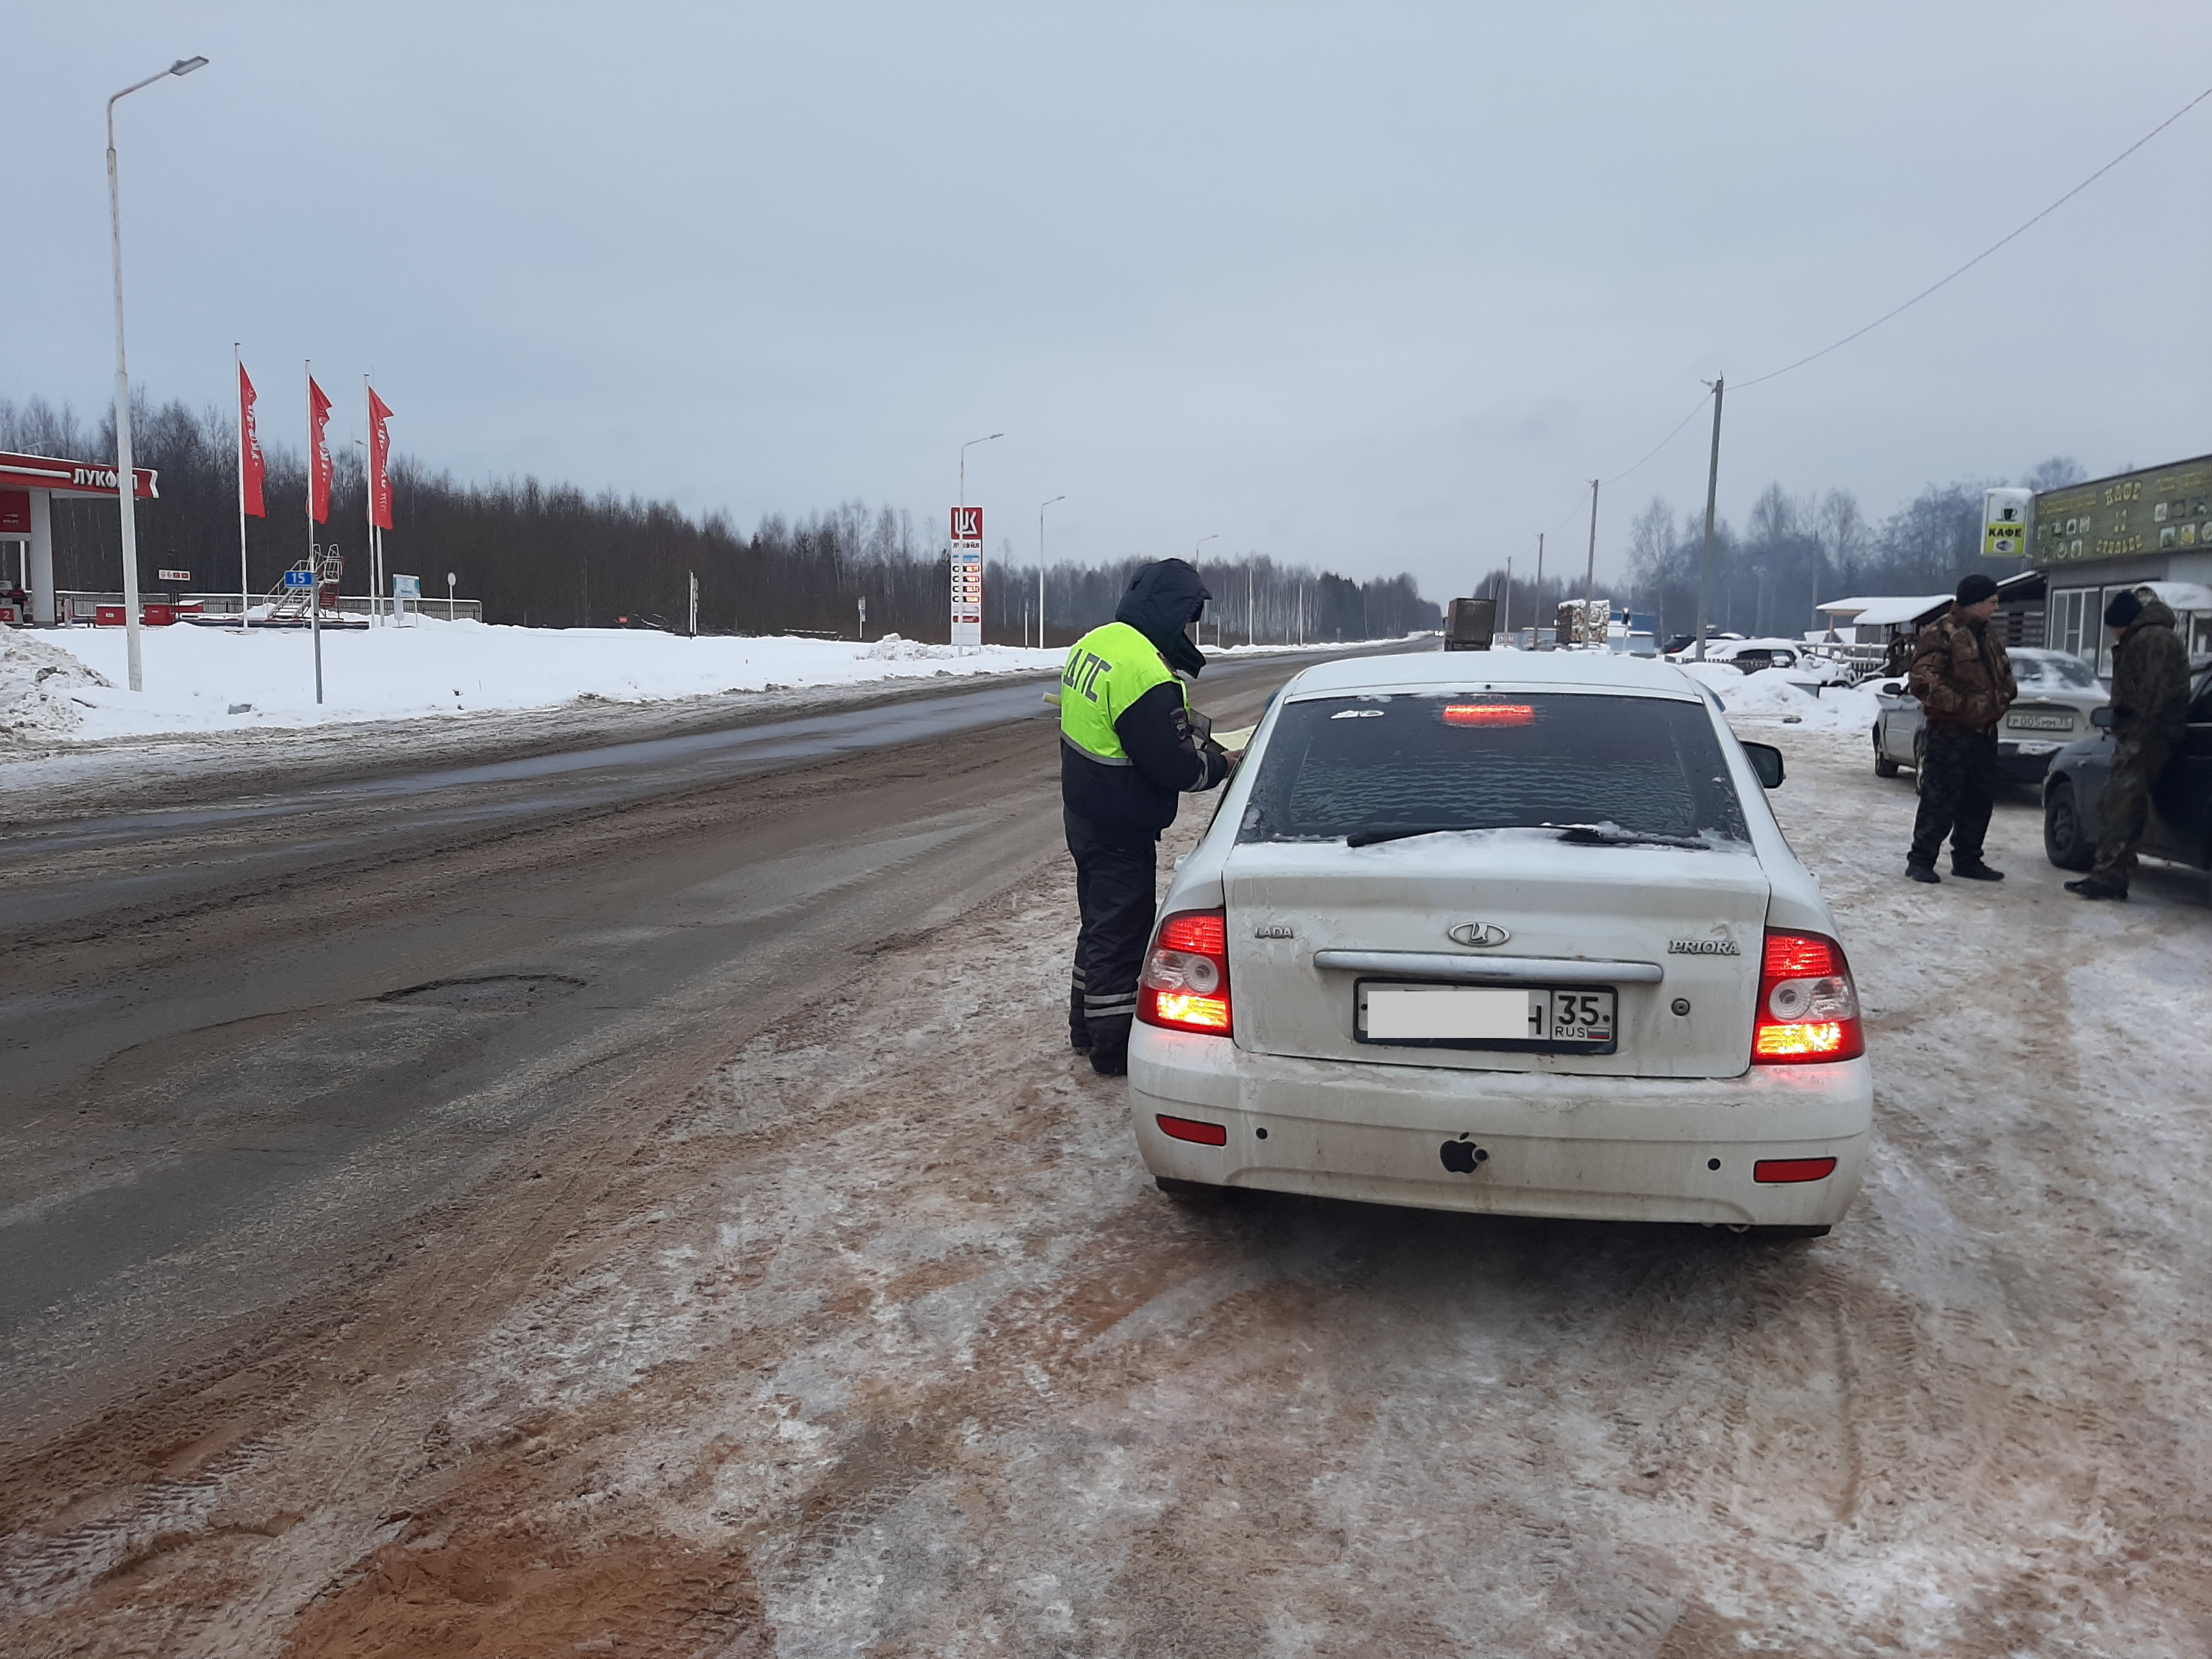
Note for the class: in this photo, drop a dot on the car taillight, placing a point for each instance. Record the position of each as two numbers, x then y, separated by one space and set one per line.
1808 1009
1185 986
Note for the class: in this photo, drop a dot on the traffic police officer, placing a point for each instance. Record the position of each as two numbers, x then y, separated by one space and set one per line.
1127 748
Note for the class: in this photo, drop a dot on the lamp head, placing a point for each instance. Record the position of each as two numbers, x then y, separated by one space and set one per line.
186 65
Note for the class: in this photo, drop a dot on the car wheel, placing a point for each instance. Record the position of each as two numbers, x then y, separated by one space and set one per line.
2063 842
1883 766
1920 761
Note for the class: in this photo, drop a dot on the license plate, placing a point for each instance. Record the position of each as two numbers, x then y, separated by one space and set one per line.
1576 1019
2041 722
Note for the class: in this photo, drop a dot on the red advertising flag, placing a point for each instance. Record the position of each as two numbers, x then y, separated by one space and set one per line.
380 463
318 454
252 471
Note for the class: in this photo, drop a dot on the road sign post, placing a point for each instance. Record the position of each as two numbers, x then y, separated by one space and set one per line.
967 576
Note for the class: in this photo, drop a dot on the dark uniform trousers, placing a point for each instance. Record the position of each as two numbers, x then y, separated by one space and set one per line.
2124 804
1115 890
1958 790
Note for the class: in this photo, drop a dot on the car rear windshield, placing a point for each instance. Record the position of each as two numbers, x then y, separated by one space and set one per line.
2054 673
1368 766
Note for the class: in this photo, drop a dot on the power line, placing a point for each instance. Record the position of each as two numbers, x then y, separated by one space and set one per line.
1574 511
1668 439
1991 248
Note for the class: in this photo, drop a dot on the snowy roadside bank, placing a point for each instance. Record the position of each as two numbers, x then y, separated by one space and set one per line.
65 688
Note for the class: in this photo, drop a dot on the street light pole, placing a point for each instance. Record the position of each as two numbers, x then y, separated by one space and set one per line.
1200 543
965 448
1041 508
1590 571
1712 493
125 476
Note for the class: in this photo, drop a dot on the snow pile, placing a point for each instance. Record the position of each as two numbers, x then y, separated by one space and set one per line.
1770 696
63 685
37 682
893 648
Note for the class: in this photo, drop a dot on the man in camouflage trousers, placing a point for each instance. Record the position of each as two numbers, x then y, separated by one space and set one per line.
2150 720
1964 681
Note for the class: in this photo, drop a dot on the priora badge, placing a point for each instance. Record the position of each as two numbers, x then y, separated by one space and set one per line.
1479 933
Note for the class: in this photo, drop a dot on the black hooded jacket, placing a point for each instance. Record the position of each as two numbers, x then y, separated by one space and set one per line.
1137 801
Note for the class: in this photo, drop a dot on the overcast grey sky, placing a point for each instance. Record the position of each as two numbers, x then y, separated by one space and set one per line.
1370 285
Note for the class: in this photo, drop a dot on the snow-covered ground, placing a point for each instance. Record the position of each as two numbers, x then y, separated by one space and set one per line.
1770 697
210 680
66 689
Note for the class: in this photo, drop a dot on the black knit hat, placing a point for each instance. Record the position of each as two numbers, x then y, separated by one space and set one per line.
1973 589
2123 610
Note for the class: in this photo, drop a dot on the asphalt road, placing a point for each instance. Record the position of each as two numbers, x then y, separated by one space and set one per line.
785 1287
253 1044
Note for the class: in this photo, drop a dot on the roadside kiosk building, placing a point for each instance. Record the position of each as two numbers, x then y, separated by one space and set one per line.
2151 528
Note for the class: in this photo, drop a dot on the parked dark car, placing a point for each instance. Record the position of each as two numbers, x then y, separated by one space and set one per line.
2180 826
2058 695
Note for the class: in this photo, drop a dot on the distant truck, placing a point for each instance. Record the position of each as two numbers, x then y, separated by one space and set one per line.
1469 623
1583 622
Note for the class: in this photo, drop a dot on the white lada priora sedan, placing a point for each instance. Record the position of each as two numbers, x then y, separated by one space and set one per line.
1504 933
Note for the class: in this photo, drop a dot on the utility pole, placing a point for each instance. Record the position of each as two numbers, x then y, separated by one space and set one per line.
1537 638
1041 508
1590 572
1712 492
1507 628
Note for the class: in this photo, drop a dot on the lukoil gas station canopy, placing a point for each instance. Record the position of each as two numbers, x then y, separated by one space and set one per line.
28 484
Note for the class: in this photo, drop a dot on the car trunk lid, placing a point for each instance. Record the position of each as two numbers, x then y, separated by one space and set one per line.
1558 913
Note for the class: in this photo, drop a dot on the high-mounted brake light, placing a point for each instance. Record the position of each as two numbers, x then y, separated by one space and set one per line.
1489 713
1185 986
1808 1009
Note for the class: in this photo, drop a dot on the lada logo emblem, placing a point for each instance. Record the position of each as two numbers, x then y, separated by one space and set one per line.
1478 933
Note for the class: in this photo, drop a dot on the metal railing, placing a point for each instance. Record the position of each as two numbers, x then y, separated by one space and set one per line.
78 608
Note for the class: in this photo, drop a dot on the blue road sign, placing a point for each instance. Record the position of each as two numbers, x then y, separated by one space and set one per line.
298 579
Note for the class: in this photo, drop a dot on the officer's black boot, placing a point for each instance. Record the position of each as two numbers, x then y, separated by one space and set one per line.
1109 1047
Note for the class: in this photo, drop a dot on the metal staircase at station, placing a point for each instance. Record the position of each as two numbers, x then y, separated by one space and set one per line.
288 604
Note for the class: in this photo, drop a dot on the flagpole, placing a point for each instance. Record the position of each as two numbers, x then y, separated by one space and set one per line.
369 502
314 560
238 384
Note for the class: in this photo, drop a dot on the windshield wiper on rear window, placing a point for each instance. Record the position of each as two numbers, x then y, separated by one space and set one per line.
1606 835
1375 832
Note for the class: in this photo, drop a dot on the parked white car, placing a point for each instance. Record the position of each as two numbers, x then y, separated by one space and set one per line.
2059 695
1806 665
1515 934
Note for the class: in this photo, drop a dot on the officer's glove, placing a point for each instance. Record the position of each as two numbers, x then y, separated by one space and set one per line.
1220 764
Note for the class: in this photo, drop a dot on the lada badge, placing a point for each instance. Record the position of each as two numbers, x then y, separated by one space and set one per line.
1479 934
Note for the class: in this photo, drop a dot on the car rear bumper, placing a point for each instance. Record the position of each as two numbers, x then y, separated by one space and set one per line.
1623 1149
2026 760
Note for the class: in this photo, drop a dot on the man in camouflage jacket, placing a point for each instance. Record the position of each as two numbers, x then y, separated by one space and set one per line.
1964 681
2150 720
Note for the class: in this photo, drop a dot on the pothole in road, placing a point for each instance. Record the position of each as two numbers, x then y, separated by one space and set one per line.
486 991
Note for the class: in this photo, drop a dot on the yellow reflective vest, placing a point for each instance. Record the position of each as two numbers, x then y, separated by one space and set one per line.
1107 671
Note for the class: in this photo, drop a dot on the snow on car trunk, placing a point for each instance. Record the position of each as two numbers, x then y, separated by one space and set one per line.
1596 947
